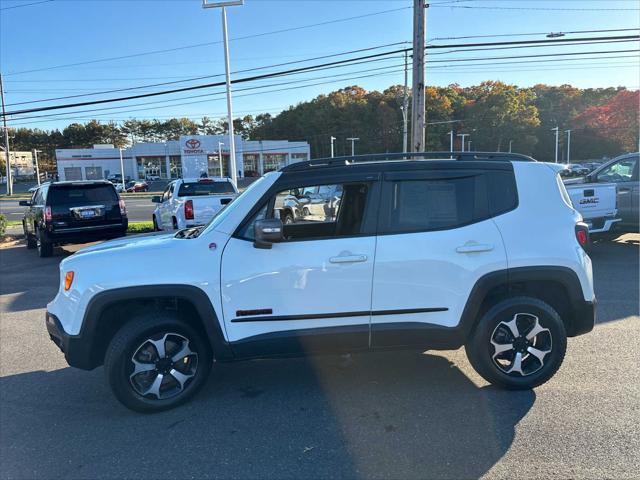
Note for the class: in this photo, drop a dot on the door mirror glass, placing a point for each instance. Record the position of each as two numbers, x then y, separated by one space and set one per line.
267 232
156 199
25 203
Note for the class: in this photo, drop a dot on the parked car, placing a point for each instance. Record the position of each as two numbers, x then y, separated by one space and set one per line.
73 212
574 170
597 204
140 186
152 178
191 202
592 166
117 178
310 203
621 171
484 251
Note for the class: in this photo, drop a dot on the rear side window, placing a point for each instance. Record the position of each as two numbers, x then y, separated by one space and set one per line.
194 189
79 195
446 203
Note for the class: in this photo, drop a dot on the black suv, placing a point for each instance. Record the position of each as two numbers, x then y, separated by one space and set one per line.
73 212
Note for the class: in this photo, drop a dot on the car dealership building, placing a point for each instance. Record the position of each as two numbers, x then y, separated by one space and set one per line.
190 157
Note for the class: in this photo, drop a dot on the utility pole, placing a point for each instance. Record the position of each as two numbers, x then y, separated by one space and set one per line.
122 171
353 141
6 142
35 156
332 140
462 137
469 146
556 129
220 144
451 141
225 38
418 106
568 146
405 105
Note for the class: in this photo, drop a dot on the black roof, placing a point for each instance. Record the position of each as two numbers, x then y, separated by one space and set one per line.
404 158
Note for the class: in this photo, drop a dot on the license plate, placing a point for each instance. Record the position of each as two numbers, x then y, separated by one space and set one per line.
87 213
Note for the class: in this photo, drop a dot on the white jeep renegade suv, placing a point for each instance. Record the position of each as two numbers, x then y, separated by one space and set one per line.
482 251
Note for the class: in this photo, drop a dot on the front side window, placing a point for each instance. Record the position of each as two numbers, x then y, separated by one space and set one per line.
620 171
316 211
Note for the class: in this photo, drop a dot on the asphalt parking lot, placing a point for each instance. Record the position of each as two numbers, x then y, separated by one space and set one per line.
384 415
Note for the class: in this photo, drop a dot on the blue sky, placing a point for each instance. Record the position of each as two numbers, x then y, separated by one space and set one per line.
52 33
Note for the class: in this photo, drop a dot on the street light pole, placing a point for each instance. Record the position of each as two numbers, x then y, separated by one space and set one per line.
35 156
232 143
568 146
451 141
6 142
332 140
556 129
405 106
220 145
122 170
510 143
463 136
353 141
469 146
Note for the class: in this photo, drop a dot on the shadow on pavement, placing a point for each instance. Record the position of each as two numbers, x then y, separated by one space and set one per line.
387 415
617 283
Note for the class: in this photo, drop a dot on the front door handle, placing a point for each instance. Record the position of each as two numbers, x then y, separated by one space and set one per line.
348 259
474 248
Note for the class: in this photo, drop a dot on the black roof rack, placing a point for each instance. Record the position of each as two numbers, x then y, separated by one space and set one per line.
398 157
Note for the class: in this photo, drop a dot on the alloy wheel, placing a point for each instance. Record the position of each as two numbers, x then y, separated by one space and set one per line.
163 366
520 345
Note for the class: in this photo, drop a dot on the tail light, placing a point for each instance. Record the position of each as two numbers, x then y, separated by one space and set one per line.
188 210
47 214
123 208
582 234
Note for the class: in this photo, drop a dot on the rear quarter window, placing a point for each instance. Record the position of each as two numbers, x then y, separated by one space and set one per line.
79 195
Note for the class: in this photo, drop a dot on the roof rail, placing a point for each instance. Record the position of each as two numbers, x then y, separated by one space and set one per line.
395 157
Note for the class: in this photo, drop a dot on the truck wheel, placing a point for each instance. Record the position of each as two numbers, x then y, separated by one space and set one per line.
155 224
31 241
45 249
287 218
518 344
175 223
156 362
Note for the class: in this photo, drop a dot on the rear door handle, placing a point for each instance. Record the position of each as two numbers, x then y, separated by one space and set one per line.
475 248
348 259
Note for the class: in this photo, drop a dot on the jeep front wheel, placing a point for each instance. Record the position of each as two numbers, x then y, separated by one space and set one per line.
518 344
156 362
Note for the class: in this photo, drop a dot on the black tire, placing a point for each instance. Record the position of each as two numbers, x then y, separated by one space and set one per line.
128 341
155 224
491 326
45 249
175 223
31 241
287 218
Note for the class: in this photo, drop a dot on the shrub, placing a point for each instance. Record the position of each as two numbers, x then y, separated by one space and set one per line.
3 224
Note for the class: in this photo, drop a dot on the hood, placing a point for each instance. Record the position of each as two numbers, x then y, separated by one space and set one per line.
147 241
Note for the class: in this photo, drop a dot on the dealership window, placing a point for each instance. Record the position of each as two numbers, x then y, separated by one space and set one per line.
72 173
151 167
251 165
274 161
214 166
299 157
175 166
93 173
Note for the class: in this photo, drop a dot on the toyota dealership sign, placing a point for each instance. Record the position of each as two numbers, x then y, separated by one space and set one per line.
192 146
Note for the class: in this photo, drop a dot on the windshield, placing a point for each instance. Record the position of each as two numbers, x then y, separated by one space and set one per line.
195 189
78 195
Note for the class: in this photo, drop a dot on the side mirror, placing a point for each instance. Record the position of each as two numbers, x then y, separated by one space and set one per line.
24 203
156 199
267 232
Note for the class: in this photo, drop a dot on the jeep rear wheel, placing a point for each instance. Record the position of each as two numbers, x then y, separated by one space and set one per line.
518 344
156 362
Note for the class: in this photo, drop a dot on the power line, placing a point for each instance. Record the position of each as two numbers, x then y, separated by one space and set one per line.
545 9
293 71
25 5
533 34
509 44
206 44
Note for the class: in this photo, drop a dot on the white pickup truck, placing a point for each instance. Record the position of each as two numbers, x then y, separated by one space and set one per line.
596 202
191 202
